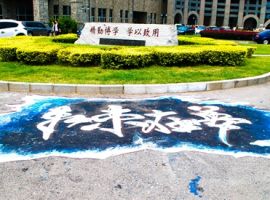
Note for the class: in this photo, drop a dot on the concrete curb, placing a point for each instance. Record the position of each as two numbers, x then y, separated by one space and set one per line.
62 89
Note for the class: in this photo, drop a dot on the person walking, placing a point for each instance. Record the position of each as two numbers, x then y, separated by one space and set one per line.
55 28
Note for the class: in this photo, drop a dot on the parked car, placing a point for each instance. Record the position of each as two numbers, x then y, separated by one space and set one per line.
184 30
212 28
35 28
220 28
9 28
198 29
263 37
79 31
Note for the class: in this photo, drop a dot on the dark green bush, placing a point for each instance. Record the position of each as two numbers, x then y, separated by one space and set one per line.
127 58
80 56
37 56
67 25
65 38
221 57
250 51
8 54
174 56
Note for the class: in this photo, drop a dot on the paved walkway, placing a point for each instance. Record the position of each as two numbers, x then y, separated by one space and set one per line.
145 174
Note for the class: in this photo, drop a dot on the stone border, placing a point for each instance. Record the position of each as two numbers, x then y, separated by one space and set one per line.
62 89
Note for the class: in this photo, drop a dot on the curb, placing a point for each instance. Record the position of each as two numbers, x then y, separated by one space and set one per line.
86 89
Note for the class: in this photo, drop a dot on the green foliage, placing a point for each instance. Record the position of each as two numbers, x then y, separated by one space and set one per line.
67 25
250 51
37 55
221 57
14 71
178 56
127 58
260 48
193 40
65 38
80 56
175 56
42 50
7 53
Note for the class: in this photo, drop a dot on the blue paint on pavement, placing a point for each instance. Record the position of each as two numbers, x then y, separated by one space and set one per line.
194 186
89 128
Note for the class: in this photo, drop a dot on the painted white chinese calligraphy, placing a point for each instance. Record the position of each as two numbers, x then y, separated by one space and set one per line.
208 115
150 125
117 115
52 118
212 118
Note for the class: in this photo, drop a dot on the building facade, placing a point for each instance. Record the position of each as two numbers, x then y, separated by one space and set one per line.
249 14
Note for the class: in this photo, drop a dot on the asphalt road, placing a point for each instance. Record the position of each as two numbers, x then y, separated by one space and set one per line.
144 174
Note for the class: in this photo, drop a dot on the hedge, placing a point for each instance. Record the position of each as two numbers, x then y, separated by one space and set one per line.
80 56
66 38
36 55
41 50
7 53
175 56
127 58
224 55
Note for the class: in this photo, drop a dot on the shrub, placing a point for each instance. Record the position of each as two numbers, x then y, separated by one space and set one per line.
127 58
41 50
250 51
229 34
67 25
65 38
80 55
177 56
7 53
224 56
37 55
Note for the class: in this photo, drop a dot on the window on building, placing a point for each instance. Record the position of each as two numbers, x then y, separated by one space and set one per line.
194 5
155 18
1 12
102 14
66 10
121 16
93 12
24 14
151 18
126 16
111 15
55 11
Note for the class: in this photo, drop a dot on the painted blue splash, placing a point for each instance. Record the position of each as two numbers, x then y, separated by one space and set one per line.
19 133
194 186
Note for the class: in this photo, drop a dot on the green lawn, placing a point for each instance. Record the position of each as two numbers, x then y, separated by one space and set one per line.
13 71
261 48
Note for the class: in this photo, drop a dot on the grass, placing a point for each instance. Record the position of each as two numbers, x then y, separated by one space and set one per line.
13 71
262 49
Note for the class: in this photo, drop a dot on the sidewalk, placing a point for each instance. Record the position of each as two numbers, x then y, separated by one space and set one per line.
145 174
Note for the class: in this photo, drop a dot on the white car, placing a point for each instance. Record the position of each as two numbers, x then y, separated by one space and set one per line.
10 28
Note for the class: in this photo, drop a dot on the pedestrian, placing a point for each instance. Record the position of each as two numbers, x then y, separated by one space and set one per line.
55 28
